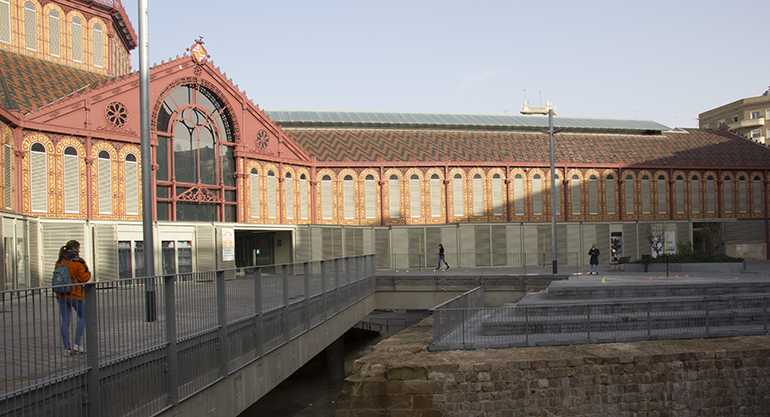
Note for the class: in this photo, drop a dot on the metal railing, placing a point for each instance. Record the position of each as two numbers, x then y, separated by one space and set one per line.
457 326
153 342
484 263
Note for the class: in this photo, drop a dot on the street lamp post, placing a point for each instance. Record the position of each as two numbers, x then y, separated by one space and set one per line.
548 109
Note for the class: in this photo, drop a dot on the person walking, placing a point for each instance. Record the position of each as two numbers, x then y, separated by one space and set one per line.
441 258
69 255
594 254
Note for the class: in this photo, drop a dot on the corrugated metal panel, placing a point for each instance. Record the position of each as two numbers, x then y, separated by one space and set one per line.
207 249
574 244
683 232
513 239
34 254
530 238
449 240
589 238
630 241
483 242
561 238
316 247
353 241
499 245
302 245
54 236
416 247
466 243
603 242
367 241
382 247
105 252
744 231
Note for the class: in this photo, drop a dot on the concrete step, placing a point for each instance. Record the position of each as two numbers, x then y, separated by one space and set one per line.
566 290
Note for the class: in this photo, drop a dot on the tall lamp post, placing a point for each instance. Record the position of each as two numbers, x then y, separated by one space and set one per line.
548 109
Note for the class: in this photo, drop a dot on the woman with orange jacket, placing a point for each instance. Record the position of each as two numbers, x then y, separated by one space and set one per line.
78 270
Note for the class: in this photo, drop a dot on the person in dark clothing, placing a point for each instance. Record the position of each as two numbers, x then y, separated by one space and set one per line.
441 258
594 254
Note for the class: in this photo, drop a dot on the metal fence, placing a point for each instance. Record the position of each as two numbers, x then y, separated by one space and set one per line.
484 263
457 326
153 342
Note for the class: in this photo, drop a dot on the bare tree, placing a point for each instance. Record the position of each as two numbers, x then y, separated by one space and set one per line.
655 234
714 233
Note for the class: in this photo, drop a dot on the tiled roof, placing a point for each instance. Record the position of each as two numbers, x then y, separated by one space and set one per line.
703 147
27 83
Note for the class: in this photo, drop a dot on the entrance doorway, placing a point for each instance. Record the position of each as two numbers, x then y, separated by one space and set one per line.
253 248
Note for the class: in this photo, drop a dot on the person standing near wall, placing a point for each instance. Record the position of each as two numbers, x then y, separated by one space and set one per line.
594 254
69 255
441 257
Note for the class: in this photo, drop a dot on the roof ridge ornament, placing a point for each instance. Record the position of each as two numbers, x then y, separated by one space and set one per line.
199 53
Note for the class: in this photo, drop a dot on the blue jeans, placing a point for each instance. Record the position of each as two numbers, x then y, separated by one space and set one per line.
595 268
65 308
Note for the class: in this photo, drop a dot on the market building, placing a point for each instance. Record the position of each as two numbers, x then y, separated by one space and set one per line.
292 186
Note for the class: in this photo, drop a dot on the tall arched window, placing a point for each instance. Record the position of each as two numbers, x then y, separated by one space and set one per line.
537 194
370 190
518 194
195 154
303 197
348 196
457 195
609 187
71 179
77 40
593 195
132 184
327 203
105 183
271 195
288 187
679 194
628 187
254 191
414 195
8 174
98 47
394 195
478 195
742 194
54 33
728 193
646 194
757 193
662 200
695 191
575 190
30 26
5 21
38 172
710 195
497 195
557 194
435 195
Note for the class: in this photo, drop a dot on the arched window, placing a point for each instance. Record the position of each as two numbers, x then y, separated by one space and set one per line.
5 21
8 173
609 187
497 195
288 189
394 195
54 33
435 195
695 192
628 187
105 182
646 194
71 179
195 156
575 190
370 190
271 194
679 194
414 196
77 40
728 194
557 193
327 203
254 191
593 195
537 194
710 195
39 176
30 26
518 194
478 195
457 195
303 197
757 193
98 47
132 184
348 196
662 201
742 194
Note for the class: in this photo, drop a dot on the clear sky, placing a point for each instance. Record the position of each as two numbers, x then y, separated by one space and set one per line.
662 60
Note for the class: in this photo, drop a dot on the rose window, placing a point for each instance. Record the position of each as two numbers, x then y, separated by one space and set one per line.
262 139
116 114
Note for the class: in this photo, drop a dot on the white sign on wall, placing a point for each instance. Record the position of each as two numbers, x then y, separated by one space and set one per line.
228 244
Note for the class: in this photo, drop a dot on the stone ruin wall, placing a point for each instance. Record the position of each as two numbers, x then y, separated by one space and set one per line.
706 377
